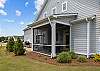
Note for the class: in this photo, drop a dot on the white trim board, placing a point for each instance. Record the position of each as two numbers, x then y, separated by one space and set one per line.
39 25
61 23
84 53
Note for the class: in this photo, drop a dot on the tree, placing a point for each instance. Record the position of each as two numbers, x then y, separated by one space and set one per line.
10 44
18 47
6 38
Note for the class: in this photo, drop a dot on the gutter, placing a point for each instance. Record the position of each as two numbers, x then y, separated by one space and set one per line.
85 18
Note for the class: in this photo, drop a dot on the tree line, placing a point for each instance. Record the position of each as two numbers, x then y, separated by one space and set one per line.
3 39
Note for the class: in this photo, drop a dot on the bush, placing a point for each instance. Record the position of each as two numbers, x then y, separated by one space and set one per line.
97 57
82 58
73 55
64 57
19 48
10 44
92 56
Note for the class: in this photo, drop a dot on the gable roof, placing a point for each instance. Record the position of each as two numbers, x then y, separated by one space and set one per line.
39 13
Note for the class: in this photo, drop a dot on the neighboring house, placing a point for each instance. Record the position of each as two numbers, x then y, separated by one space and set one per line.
66 25
27 35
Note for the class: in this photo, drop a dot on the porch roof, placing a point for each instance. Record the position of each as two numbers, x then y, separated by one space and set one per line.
54 16
27 28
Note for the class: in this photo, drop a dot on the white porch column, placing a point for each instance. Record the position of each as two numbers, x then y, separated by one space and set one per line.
88 39
32 37
70 38
53 42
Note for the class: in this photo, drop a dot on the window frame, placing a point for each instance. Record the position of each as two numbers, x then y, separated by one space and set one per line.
66 6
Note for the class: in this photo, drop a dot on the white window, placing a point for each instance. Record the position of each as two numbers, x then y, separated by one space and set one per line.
54 10
45 14
64 6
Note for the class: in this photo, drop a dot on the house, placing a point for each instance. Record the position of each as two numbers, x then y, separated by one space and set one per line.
66 25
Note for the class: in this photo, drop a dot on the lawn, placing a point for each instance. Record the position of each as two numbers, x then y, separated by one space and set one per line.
9 62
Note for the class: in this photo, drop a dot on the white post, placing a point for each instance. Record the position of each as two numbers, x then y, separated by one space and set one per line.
70 40
53 42
32 37
88 39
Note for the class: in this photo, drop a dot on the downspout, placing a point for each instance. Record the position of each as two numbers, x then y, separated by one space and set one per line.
70 37
88 37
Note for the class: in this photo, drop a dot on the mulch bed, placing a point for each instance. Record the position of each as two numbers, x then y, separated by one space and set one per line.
46 59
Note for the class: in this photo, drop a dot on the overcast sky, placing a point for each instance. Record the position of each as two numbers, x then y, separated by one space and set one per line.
16 14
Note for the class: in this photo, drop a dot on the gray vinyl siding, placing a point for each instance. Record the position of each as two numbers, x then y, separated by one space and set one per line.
93 37
84 8
98 31
28 36
79 37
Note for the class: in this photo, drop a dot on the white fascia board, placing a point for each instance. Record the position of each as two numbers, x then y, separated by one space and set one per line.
39 25
61 22
64 15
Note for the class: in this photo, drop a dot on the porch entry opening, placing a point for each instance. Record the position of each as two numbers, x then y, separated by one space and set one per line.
62 38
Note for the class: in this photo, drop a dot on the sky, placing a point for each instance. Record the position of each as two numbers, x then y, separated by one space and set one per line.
15 15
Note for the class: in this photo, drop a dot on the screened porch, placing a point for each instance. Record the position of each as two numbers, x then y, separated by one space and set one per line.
42 38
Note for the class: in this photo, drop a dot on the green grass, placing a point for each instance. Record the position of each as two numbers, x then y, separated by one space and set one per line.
8 62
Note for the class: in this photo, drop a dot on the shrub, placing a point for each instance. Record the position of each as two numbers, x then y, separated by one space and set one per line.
92 56
97 57
73 55
10 44
19 48
64 57
82 58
